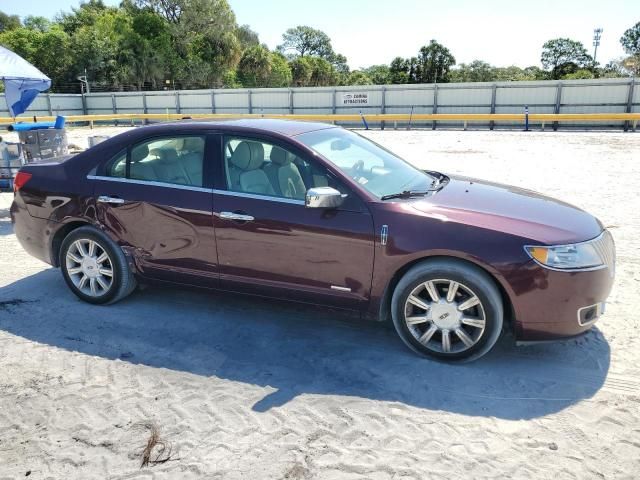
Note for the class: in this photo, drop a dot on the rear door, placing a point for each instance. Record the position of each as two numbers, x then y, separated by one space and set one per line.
269 243
155 199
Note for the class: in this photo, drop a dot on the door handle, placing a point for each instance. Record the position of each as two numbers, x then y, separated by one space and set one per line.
236 216
110 200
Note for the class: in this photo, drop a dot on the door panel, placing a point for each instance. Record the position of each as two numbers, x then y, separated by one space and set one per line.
167 228
313 255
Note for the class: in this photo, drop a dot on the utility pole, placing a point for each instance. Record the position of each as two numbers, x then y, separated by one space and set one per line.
597 35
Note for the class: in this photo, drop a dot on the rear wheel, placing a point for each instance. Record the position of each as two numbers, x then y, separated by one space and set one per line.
448 309
94 267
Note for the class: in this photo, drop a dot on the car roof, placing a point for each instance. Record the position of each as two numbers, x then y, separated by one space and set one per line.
289 128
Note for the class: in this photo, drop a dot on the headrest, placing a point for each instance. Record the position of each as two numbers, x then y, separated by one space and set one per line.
248 156
257 155
139 153
280 156
165 154
193 144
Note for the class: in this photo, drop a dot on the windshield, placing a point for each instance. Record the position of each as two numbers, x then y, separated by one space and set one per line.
374 168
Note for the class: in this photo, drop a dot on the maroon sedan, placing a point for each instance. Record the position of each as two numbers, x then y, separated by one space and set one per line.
315 213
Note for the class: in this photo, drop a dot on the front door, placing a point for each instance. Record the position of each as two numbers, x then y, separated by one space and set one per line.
269 243
152 198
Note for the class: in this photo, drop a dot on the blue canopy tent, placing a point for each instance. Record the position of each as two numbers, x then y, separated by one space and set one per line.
22 81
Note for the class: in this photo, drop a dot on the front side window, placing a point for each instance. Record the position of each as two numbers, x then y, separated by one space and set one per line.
377 170
258 167
172 160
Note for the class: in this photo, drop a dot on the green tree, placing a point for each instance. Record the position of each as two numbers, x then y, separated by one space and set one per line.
280 71
399 71
230 80
613 69
41 24
246 36
146 47
582 74
358 77
476 71
378 74
535 73
36 47
203 36
434 63
83 15
630 40
322 72
304 40
8 22
563 56
301 70
254 68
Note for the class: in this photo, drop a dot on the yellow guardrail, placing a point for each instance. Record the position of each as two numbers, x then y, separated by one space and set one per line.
393 117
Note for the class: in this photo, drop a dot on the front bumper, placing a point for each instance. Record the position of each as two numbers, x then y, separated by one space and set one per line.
552 305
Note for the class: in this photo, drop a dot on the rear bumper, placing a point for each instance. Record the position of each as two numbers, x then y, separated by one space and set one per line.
34 234
559 305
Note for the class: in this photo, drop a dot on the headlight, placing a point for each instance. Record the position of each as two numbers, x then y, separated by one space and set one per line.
566 257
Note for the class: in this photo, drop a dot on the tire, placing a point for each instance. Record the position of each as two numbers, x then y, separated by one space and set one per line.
462 326
99 287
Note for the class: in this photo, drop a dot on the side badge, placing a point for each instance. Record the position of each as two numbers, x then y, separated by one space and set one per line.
384 234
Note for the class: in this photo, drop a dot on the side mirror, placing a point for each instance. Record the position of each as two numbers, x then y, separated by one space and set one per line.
323 197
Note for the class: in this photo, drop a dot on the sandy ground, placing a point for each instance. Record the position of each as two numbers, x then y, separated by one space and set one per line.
246 388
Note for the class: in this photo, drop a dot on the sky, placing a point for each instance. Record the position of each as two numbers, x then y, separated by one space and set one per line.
369 32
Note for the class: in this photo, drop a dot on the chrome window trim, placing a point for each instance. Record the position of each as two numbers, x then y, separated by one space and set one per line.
258 196
197 189
150 183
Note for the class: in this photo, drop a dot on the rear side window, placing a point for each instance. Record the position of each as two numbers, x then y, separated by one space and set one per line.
117 167
172 160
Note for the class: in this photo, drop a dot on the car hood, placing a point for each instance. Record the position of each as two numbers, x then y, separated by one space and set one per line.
509 209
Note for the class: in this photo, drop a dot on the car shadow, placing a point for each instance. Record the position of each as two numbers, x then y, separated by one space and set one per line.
298 349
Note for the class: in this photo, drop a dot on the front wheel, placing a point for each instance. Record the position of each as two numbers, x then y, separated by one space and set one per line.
447 309
94 267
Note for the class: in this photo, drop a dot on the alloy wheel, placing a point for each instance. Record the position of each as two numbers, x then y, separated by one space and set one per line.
89 267
445 316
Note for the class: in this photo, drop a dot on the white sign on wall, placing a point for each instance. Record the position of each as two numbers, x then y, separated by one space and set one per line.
355 99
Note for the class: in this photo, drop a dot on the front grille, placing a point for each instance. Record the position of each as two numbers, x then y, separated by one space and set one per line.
606 249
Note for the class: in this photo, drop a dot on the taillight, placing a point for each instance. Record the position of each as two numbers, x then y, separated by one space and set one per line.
21 179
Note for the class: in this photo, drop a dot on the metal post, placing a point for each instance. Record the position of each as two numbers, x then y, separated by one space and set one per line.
629 102
113 107
85 110
366 125
177 95
249 99
213 101
49 105
526 118
558 103
333 102
384 107
291 101
494 88
435 104
144 103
